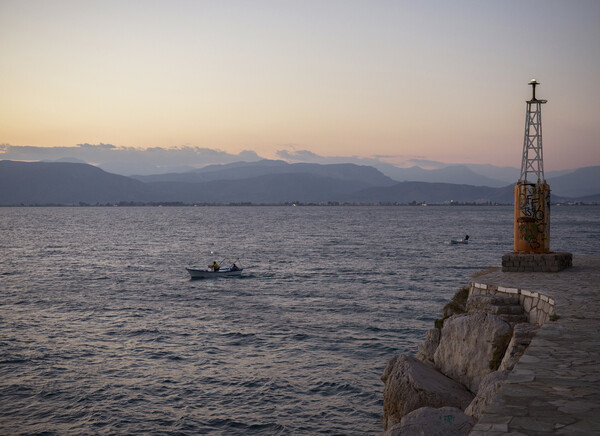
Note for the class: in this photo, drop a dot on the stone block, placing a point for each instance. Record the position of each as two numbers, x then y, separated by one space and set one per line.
536 262
527 303
471 346
496 304
533 316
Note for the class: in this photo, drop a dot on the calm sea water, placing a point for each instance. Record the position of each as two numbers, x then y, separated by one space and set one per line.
101 330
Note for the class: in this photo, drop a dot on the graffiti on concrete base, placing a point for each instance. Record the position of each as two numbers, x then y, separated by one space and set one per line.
532 215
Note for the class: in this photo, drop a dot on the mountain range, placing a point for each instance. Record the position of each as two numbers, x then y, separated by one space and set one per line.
266 182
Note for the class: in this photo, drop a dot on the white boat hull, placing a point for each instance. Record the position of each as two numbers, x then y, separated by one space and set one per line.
208 273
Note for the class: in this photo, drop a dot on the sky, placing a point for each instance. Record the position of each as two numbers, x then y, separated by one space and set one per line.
391 80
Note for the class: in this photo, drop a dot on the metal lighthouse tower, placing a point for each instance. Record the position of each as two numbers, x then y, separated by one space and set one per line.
532 193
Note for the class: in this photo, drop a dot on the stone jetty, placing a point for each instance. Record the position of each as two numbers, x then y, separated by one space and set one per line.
515 353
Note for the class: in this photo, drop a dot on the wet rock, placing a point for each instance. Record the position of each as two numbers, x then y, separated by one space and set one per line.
411 384
472 346
426 421
487 389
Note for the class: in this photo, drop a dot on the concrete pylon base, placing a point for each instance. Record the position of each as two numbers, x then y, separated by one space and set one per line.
536 262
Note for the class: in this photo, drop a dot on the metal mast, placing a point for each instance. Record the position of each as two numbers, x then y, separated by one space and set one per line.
532 164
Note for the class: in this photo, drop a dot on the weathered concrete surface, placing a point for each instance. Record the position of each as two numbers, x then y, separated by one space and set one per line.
555 386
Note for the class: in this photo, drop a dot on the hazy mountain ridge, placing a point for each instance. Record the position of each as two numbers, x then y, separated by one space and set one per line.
582 182
73 183
457 174
41 183
244 170
576 183
63 183
423 192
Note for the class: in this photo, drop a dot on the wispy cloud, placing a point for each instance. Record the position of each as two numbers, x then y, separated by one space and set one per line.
292 155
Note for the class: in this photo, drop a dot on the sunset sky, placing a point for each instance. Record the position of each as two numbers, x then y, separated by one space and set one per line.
396 80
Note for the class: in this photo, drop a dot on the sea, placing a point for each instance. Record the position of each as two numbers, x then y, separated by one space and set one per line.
102 331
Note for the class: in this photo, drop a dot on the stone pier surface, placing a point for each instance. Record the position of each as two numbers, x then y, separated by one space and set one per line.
536 262
555 386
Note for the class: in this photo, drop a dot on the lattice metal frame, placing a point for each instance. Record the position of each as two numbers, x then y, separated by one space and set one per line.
532 163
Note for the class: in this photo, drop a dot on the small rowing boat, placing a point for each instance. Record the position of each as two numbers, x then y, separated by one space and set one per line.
464 240
214 271
208 273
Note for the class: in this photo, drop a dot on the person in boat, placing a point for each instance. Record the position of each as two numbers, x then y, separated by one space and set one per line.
215 266
466 237
234 267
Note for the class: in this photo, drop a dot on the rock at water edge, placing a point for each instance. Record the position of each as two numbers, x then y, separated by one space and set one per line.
426 421
411 384
471 346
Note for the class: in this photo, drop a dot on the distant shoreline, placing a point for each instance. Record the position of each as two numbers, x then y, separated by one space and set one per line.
297 204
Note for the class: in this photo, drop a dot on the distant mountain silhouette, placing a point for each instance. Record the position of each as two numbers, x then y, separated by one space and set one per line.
244 170
407 192
468 174
268 189
129 168
457 174
43 183
71 183
589 198
63 183
579 183
507 175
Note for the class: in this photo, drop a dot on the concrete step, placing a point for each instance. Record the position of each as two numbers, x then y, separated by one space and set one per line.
516 309
513 319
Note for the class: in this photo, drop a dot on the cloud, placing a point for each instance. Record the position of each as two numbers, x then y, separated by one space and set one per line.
401 161
156 160
129 160
97 146
428 164
310 157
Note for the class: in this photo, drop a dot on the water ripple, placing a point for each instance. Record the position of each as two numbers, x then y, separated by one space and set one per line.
101 330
